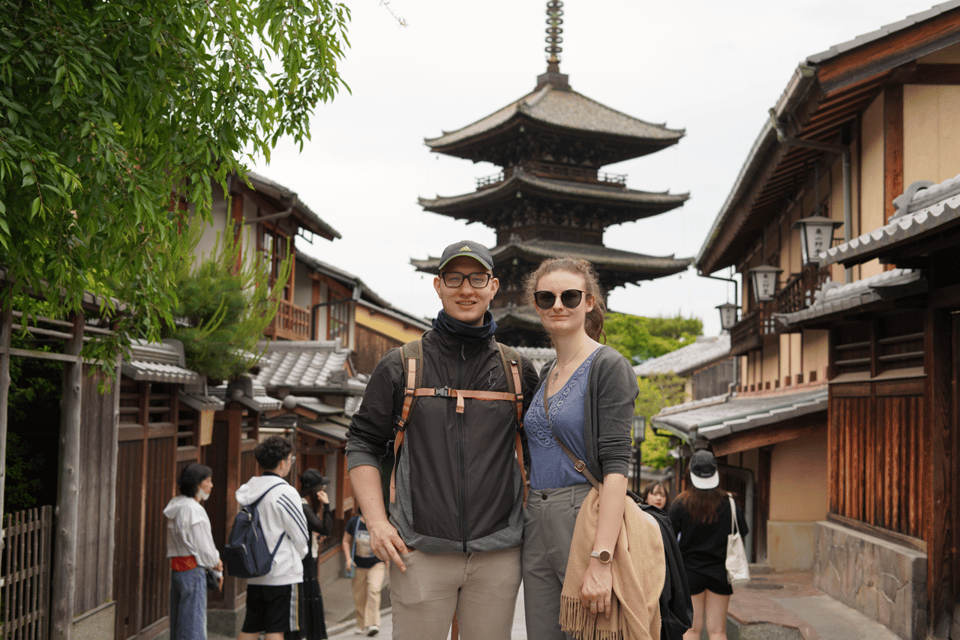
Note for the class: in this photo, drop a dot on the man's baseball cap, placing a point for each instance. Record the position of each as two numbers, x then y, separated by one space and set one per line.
470 249
703 470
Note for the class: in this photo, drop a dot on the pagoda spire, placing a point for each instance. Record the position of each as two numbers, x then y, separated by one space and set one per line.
554 34
554 39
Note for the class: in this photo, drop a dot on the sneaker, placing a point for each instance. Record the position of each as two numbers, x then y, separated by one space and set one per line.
359 631
373 630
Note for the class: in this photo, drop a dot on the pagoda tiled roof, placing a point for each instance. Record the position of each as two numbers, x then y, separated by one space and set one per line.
640 204
603 258
564 109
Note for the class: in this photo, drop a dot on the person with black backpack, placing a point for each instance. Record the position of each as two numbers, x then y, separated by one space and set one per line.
272 598
453 403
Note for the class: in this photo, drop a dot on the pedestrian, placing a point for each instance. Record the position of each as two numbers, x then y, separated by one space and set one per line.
701 518
656 494
192 552
368 573
455 524
584 400
316 509
272 599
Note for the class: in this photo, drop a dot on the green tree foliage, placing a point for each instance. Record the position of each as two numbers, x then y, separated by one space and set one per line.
656 393
223 309
112 113
639 338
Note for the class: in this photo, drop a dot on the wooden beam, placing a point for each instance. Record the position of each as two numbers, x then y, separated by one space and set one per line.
781 432
892 148
945 74
939 482
65 541
6 325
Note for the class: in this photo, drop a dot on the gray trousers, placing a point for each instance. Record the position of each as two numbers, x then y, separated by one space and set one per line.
547 532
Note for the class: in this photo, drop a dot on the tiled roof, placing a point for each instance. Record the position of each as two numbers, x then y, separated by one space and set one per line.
720 416
565 109
928 209
158 362
248 394
201 402
306 366
603 258
833 297
882 32
706 350
644 203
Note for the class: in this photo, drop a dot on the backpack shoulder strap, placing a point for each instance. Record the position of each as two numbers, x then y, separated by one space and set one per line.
511 369
411 355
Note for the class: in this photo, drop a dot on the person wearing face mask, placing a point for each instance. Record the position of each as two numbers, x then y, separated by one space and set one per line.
191 551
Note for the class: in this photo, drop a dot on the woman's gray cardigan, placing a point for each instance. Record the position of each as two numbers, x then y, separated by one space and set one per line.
608 408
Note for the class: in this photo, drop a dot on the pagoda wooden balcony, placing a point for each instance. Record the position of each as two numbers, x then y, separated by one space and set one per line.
290 323
557 172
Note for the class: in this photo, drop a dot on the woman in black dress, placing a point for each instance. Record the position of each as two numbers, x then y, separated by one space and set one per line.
313 489
701 518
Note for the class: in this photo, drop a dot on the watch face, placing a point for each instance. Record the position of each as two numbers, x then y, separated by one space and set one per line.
603 556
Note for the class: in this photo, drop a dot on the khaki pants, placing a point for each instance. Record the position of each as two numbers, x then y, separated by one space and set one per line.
480 587
367 584
547 532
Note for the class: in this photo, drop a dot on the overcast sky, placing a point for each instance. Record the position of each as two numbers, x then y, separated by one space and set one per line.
711 68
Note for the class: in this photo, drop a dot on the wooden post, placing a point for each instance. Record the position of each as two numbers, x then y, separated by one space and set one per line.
112 486
65 541
6 324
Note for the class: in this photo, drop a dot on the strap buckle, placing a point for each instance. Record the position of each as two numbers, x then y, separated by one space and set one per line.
579 465
443 392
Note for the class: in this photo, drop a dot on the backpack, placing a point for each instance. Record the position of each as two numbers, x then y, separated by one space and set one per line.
246 554
412 356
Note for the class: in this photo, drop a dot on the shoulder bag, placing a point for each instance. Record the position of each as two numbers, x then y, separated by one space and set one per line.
738 569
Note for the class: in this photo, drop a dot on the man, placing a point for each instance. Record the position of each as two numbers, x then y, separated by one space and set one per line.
272 598
454 530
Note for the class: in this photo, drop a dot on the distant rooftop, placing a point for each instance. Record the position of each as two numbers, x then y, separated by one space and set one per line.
685 360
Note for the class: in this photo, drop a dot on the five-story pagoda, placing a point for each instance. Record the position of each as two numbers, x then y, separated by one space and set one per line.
551 199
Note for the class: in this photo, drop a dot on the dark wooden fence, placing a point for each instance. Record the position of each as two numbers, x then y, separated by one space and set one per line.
25 586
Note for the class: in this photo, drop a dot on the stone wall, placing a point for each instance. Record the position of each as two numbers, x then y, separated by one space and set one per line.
882 580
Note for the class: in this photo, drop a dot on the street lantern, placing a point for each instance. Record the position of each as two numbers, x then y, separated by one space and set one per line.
728 315
816 235
764 280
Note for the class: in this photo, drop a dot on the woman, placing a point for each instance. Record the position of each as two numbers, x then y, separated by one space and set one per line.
191 551
656 494
368 575
701 519
590 391
313 493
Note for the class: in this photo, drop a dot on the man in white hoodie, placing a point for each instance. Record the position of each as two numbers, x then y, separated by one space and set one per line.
272 598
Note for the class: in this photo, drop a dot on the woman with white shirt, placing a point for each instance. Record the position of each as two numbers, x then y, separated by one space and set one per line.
191 551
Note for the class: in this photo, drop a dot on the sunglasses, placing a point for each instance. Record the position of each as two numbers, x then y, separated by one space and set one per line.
570 298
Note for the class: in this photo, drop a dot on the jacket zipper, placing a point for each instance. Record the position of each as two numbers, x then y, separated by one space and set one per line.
463 462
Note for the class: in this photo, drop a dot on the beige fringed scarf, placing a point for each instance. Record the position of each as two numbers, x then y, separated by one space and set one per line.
639 570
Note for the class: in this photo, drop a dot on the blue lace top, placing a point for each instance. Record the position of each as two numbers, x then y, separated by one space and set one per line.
551 468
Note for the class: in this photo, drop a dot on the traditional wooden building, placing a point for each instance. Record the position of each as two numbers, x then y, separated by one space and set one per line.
551 197
845 416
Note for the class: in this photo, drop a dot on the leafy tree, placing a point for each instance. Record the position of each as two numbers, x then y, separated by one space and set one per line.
656 393
114 113
224 306
639 338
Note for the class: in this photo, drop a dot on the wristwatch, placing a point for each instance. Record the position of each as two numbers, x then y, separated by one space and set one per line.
605 557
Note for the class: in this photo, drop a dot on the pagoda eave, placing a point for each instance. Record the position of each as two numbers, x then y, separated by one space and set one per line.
640 204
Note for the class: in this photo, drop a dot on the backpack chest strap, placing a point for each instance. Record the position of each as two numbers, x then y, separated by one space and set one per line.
461 394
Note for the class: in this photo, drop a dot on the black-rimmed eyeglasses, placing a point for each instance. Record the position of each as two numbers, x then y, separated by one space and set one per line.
454 279
570 298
